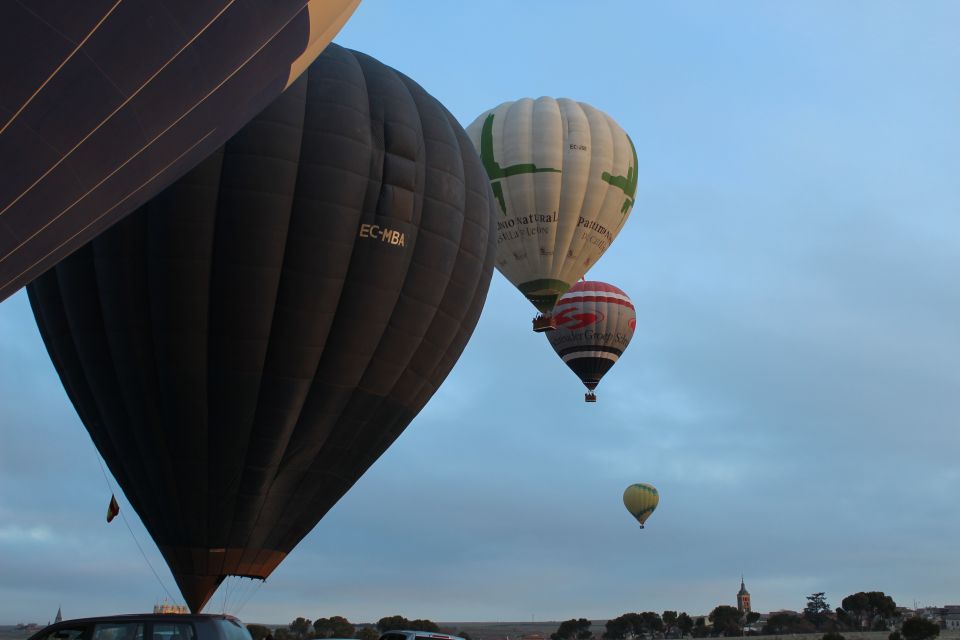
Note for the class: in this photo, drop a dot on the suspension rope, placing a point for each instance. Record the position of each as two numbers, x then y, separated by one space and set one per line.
123 516
253 592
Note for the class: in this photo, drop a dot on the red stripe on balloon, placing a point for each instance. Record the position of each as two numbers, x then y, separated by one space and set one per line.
580 299
595 285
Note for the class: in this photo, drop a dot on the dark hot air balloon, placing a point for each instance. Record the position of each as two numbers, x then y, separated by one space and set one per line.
595 322
103 103
242 348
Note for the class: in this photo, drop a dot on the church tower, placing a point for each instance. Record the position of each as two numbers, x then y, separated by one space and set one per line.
743 598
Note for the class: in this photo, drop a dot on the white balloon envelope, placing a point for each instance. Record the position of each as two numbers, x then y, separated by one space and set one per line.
565 177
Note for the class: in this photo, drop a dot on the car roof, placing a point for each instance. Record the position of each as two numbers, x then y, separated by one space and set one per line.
426 634
152 617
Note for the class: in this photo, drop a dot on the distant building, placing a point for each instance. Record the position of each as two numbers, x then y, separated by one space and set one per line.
743 598
167 608
951 622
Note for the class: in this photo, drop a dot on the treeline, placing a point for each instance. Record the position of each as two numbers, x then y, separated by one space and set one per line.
864 610
340 627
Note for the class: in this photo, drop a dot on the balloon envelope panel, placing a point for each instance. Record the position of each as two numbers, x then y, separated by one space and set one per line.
565 177
595 322
640 500
103 103
242 348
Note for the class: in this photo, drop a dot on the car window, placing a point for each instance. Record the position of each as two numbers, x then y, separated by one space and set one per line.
393 636
64 633
118 631
173 631
233 630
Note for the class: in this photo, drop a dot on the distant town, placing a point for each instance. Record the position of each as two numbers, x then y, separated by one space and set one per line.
870 612
865 614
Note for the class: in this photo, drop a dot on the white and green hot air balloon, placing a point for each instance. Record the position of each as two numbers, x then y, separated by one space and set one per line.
565 177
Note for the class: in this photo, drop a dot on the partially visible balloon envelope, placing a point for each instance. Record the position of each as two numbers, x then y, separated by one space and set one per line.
640 500
565 177
246 345
103 103
595 322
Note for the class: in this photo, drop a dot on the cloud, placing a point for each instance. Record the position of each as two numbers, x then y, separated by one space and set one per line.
16 534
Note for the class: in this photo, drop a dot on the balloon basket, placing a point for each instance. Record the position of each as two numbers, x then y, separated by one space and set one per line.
544 323
589 396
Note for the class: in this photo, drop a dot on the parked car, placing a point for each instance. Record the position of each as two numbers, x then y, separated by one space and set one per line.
147 626
416 635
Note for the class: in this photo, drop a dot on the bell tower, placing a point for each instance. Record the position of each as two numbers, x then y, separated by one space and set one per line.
743 598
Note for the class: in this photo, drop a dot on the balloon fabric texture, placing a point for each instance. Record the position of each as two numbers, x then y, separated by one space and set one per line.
103 103
243 347
564 175
640 500
595 322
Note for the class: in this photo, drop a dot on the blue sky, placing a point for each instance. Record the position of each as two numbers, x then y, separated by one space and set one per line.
792 389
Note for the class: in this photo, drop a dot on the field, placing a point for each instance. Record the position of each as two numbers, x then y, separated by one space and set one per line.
516 630
12 633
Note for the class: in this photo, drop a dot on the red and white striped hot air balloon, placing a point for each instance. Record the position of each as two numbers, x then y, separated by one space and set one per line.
595 322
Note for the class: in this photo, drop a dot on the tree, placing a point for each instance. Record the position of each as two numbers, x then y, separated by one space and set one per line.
333 627
669 620
573 629
684 623
817 610
633 625
868 608
624 627
651 622
918 628
258 631
894 635
368 633
726 621
283 633
816 603
751 617
301 628
844 620
700 628
393 623
781 623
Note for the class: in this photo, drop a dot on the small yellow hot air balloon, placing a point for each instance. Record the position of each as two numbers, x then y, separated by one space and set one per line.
640 500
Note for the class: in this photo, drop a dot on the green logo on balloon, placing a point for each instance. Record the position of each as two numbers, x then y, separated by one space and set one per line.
627 183
496 172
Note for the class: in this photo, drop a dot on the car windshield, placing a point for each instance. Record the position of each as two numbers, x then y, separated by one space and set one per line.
65 633
118 631
233 630
173 631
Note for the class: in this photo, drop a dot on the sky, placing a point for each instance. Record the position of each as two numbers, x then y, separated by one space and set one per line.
792 388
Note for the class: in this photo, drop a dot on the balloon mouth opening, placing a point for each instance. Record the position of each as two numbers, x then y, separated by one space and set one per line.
544 322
